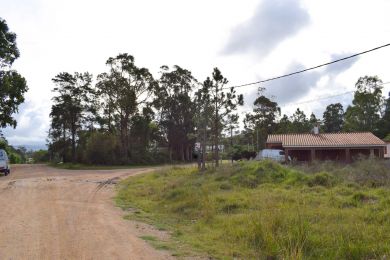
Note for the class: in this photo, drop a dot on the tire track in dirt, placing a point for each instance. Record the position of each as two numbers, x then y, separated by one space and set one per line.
48 213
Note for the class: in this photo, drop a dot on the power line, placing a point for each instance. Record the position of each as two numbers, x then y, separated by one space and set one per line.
311 68
322 98
331 96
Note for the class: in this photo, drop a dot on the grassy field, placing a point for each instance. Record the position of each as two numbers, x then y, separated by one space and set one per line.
264 210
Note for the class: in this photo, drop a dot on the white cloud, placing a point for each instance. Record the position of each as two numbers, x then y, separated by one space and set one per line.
273 22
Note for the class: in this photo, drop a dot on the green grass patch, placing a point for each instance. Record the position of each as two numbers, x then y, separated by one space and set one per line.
158 244
261 210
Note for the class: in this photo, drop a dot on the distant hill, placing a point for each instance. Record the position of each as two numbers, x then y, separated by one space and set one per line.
34 147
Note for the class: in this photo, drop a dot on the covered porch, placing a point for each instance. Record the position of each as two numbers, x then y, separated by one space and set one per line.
347 154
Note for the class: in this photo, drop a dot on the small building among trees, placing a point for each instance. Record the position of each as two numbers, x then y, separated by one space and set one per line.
328 146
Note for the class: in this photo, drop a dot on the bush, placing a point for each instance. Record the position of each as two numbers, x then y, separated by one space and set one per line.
102 149
370 172
254 173
40 156
322 179
14 158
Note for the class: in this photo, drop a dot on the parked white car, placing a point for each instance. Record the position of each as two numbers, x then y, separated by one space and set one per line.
272 154
4 163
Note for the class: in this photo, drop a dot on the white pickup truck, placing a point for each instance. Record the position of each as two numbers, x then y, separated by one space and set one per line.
4 163
273 154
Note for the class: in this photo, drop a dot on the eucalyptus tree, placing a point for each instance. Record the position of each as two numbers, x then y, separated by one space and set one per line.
12 85
70 105
261 121
300 123
123 90
383 127
174 99
365 111
223 102
333 118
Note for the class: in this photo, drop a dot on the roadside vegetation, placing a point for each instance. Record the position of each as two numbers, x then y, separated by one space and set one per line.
263 210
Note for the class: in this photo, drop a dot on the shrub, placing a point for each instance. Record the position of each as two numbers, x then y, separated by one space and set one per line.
102 149
14 158
322 179
254 173
371 172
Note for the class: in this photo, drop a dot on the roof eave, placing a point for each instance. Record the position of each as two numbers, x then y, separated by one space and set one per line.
339 146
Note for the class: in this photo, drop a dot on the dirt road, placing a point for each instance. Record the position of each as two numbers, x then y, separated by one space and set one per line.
48 213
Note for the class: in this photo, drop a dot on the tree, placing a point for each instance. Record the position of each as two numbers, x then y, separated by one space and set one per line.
284 125
12 84
176 105
222 103
40 156
203 121
123 90
9 52
300 123
69 109
264 113
261 121
364 113
333 118
383 128
231 124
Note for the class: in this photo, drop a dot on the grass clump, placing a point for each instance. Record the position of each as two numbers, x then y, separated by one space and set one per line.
322 179
263 210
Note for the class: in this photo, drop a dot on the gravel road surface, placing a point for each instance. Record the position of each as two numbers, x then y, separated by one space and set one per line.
48 213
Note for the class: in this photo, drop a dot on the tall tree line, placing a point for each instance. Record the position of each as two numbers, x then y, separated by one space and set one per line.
369 111
128 116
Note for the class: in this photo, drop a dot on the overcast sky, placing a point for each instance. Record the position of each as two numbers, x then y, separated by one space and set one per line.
248 40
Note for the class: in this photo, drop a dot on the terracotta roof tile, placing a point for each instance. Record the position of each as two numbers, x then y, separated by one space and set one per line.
326 140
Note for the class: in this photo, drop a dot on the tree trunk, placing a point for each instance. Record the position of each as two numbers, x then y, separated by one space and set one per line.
182 152
124 139
204 149
199 159
231 141
189 155
64 140
73 145
216 139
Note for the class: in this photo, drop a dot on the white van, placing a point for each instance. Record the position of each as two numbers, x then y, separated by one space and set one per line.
272 154
4 163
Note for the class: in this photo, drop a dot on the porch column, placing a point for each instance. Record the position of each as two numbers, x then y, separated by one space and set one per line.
372 153
286 155
312 154
348 155
381 153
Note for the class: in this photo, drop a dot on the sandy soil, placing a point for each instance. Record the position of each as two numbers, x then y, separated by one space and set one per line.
48 213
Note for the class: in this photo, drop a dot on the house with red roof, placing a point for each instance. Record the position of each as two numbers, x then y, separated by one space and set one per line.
327 146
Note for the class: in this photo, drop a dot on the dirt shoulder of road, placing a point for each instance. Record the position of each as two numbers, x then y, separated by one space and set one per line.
51 213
